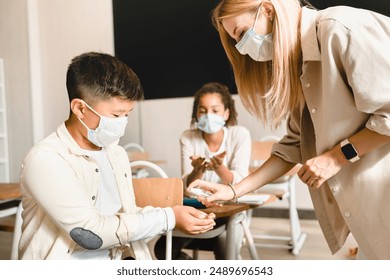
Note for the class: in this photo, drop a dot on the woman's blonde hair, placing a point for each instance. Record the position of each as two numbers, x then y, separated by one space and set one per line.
268 90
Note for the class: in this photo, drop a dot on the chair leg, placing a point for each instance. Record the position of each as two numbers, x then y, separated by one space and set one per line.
168 246
195 254
249 239
297 237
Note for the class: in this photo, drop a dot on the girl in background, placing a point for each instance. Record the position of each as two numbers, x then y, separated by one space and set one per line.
215 149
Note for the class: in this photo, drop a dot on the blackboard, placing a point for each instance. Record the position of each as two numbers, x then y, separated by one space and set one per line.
171 45
174 48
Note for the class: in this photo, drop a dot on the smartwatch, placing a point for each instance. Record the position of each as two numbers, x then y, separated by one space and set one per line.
349 151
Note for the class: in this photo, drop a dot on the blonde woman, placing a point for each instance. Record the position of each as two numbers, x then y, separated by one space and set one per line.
325 72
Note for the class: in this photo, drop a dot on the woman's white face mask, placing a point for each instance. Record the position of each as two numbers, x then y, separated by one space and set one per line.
108 131
258 47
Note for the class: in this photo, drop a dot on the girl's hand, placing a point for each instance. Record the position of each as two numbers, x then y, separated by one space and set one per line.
216 161
199 164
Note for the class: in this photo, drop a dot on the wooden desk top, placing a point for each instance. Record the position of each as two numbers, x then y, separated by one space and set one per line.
227 210
9 191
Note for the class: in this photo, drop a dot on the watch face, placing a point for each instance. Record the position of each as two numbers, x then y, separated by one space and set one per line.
349 151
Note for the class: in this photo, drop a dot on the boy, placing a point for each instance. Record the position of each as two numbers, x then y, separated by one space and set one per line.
77 192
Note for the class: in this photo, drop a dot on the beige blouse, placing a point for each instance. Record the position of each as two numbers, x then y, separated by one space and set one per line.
345 80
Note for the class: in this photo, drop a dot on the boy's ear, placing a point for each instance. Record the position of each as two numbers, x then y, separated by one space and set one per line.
78 108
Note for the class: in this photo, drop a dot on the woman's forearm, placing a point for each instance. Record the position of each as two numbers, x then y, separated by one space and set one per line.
367 140
270 170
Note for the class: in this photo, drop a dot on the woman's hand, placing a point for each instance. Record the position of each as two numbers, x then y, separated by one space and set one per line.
317 170
219 192
193 221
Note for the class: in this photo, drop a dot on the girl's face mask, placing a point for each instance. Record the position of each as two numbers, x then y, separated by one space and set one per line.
108 131
211 123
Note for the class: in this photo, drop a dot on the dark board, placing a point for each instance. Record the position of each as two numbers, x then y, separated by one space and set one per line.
173 46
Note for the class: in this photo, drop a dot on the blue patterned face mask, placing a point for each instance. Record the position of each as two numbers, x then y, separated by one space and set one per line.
211 123
258 47
108 131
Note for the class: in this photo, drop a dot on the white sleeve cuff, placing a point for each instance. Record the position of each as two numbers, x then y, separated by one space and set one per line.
170 218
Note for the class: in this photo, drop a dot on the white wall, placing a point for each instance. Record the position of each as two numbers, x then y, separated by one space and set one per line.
15 52
38 38
63 30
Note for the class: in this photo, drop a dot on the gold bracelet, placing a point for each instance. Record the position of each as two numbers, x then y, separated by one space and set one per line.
235 198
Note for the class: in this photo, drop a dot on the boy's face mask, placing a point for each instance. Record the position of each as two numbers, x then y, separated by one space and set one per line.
211 123
108 131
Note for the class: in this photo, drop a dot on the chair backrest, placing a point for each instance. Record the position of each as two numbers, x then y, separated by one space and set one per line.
133 146
261 149
144 165
136 152
158 192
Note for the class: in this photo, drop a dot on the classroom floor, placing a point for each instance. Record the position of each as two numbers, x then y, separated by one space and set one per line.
315 247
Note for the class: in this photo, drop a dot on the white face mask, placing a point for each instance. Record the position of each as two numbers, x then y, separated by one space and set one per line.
211 123
258 47
108 130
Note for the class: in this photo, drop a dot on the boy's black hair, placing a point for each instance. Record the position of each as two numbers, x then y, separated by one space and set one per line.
98 76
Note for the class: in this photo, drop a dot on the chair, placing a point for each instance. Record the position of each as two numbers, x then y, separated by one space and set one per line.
136 152
283 188
159 192
142 164
135 146
158 171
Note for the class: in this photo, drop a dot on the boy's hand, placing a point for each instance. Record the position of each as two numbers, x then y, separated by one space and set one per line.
193 221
